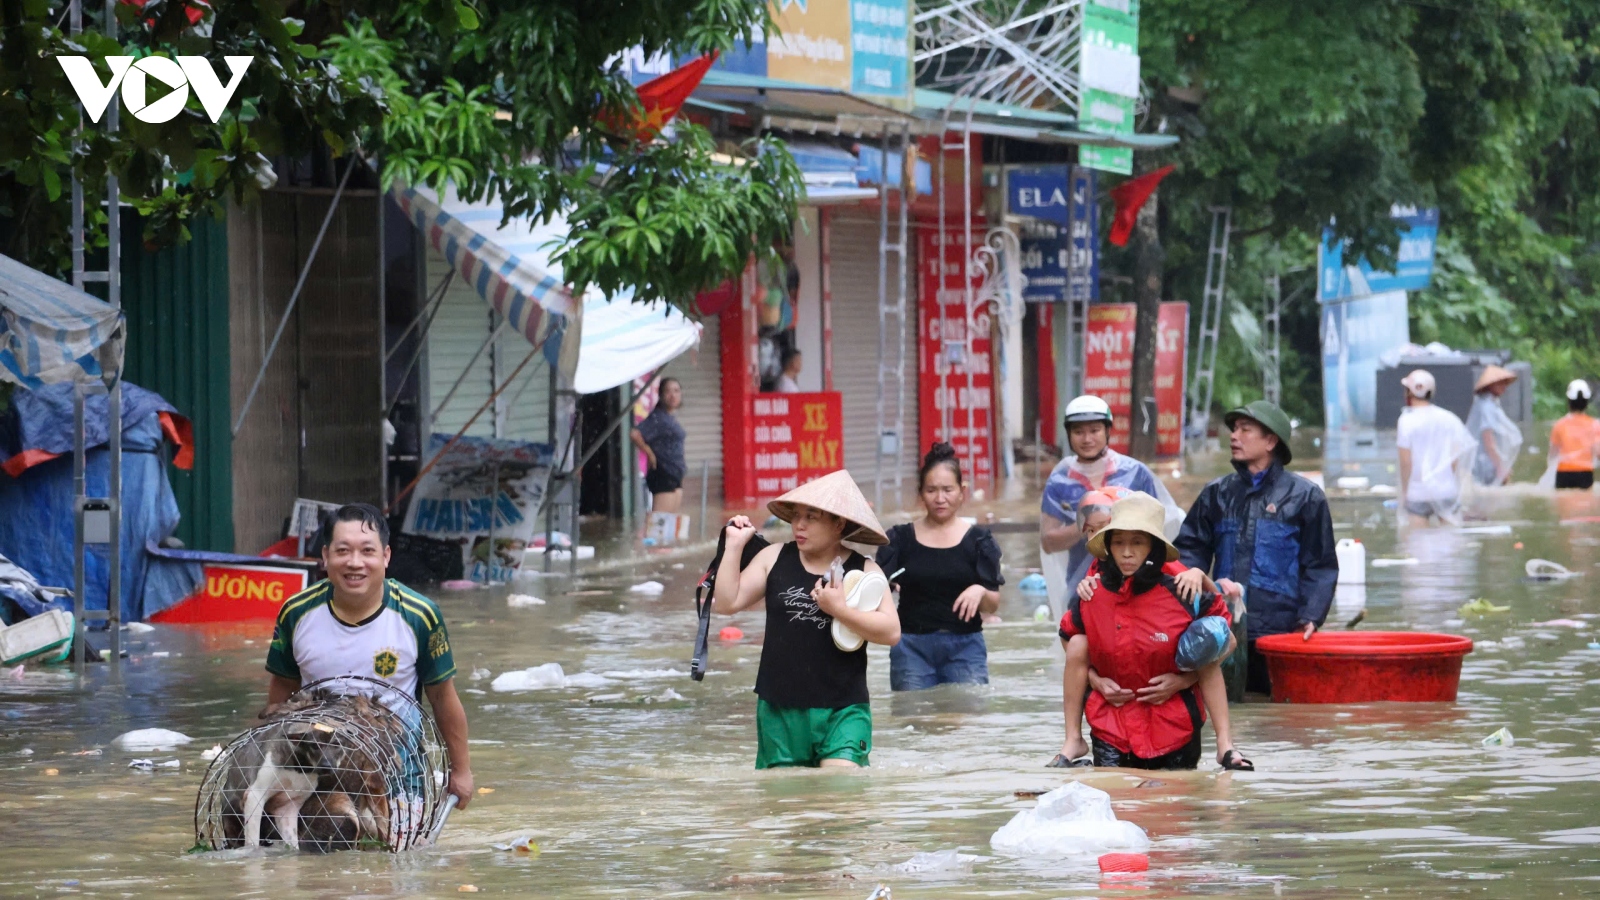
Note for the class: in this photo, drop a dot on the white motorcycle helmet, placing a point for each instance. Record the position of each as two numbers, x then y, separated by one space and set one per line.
1087 408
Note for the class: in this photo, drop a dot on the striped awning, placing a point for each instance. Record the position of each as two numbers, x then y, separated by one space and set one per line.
509 266
52 332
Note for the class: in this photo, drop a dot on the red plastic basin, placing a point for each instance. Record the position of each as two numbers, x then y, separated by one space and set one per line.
1364 666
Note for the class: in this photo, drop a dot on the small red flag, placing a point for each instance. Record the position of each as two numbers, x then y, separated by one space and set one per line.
660 99
1130 197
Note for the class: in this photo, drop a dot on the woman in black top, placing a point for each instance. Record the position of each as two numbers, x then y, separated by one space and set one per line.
660 437
813 708
952 577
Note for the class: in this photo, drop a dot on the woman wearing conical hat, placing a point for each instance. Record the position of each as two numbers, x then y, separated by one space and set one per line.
813 708
1498 437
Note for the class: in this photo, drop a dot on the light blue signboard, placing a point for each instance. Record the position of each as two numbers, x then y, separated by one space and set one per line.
1059 250
1355 333
1419 231
880 48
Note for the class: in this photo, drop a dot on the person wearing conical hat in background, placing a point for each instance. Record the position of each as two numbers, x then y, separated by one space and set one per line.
812 707
1266 529
1575 441
1436 451
1143 708
1499 439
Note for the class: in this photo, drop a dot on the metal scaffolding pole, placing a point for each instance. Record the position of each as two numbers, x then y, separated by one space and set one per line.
1271 374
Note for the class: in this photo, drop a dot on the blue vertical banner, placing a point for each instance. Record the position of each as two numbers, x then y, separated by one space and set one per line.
1355 334
1337 278
880 48
1083 241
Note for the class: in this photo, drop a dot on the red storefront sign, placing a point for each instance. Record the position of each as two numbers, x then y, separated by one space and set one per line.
236 593
956 383
1108 374
794 438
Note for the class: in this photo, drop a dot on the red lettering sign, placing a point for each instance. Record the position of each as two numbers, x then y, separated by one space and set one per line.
1108 370
794 438
956 383
236 593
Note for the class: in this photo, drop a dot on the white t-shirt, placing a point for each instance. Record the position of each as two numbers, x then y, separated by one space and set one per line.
403 643
1437 440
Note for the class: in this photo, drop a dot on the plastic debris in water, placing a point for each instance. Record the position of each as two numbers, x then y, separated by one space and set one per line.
480 674
1501 738
1124 862
150 739
940 861
459 584
1033 584
213 753
1481 607
138 628
521 601
881 893
1560 623
648 588
146 765
1072 820
1545 570
730 633
1386 562
467 889
1041 613
522 844
548 675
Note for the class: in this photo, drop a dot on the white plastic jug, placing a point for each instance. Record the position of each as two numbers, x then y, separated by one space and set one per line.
1352 561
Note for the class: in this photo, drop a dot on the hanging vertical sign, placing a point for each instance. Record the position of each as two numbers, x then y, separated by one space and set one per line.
1058 244
1083 242
1108 371
1109 72
955 379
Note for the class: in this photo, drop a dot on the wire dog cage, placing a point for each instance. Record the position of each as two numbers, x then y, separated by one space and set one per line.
345 763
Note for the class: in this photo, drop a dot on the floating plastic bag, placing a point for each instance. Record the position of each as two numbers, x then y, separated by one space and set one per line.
1545 570
941 861
1481 607
1204 642
146 739
1072 820
1501 738
521 601
1389 562
648 588
1033 584
548 675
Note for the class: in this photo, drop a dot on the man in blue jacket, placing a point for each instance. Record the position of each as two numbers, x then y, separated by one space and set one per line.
1267 529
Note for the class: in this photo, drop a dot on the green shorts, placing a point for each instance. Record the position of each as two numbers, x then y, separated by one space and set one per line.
806 737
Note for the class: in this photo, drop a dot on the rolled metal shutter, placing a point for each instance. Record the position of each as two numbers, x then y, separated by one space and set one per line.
854 282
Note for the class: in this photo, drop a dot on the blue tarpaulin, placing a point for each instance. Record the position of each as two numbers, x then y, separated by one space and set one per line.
37 529
51 332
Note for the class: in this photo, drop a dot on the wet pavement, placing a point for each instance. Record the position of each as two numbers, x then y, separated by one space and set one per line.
641 784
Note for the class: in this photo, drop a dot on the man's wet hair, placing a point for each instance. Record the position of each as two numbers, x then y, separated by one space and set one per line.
1578 405
365 513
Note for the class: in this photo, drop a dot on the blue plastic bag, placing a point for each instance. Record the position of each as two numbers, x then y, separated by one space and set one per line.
1204 642
1033 584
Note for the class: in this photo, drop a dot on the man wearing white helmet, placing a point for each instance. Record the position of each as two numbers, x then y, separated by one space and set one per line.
1575 440
1089 465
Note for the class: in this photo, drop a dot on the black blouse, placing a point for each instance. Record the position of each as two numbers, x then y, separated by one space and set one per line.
935 576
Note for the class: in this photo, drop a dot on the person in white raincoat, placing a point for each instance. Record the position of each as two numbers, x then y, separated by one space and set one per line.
1090 465
1499 439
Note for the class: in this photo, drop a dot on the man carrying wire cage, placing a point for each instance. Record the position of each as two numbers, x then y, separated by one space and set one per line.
360 623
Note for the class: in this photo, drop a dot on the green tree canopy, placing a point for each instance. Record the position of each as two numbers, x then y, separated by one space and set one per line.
492 98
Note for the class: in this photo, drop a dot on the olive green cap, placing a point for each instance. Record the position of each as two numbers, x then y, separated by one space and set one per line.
1271 418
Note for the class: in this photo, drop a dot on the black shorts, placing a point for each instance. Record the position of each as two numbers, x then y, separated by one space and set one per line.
1582 481
1185 757
662 482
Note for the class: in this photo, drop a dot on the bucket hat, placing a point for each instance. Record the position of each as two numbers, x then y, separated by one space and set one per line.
1135 512
1493 375
1271 418
835 493
1420 383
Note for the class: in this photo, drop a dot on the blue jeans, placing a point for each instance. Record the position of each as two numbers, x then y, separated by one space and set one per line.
921 661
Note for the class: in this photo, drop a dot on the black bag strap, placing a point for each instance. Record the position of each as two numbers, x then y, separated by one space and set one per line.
706 591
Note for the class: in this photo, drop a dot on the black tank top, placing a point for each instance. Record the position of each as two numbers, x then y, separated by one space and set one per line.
801 667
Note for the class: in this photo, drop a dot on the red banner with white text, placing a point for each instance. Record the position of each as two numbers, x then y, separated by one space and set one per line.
1108 374
956 381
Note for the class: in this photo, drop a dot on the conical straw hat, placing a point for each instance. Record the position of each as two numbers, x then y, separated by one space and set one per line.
1493 375
835 493
1135 512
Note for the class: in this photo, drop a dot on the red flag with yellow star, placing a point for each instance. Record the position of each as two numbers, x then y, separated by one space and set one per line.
661 99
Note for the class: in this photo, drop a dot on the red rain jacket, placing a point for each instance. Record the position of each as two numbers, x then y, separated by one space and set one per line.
1132 640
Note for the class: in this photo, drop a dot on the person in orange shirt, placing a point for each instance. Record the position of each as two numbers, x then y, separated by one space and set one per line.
1575 441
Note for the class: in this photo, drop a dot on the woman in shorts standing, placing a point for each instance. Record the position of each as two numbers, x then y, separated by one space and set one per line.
951 578
660 438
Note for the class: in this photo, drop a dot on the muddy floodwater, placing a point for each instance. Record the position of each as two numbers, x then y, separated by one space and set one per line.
643 785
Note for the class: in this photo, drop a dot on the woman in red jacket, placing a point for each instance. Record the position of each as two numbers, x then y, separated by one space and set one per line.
1143 711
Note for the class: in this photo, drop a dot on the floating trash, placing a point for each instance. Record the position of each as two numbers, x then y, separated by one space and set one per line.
1501 738
1124 862
1481 607
648 588
150 739
1033 584
938 861
730 633
1545 570
1041 613
522 601
1072 820
536 678
1390 562
213 753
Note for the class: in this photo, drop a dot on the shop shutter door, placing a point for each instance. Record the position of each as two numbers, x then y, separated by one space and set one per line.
700 371
463 324
854 246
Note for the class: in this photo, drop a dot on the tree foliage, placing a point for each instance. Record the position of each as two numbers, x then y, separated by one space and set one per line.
1298 114
500 99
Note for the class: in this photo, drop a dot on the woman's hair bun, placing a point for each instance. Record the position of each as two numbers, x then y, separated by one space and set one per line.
938 453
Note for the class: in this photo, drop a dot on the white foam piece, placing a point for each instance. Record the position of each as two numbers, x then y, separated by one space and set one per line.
648 589
146 739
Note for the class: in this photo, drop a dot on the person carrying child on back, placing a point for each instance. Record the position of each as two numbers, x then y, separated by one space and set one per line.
813 708
1142 649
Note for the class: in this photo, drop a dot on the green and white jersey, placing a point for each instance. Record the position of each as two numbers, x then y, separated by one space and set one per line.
404 643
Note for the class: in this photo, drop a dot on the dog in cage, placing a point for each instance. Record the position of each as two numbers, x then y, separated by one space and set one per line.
325 773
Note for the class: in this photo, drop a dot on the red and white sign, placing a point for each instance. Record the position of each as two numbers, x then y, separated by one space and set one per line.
794 438
1108 345
236 593
956 383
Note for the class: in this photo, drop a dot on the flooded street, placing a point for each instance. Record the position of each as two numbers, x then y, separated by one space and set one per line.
641 782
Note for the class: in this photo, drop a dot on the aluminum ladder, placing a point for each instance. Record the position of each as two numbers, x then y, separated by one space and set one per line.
1203 384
